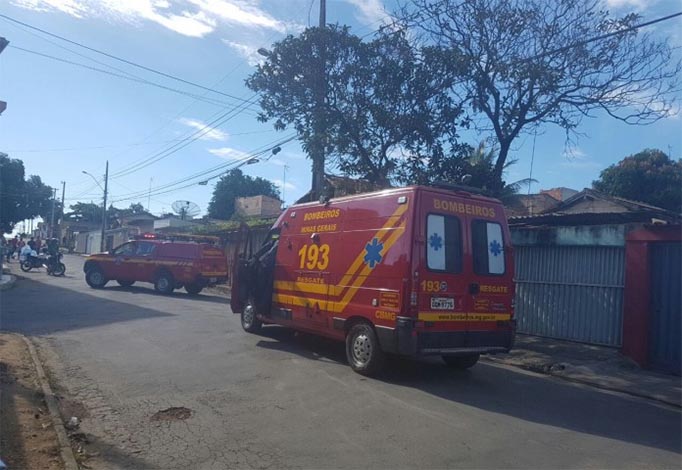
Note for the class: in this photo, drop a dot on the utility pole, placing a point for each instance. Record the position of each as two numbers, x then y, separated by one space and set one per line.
54 202
284 183
104 207
149 197
3 44
61 218
318 149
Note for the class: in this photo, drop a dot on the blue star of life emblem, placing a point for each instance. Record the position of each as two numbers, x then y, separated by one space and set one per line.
436 242
495 248
373 252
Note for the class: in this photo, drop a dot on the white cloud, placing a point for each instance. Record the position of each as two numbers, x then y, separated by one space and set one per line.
193 18
70 7
574 158
277 161
229 153
636 4
246 51
572 152
207 132
287 185
239 12
371 11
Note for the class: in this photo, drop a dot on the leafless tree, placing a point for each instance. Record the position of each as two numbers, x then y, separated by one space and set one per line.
532 62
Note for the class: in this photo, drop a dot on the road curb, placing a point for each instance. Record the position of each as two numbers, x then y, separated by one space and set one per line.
589 383
9 284
65 449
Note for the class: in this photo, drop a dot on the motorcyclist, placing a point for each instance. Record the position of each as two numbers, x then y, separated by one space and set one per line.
52 251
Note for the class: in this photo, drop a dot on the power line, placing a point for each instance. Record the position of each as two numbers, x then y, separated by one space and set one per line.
135 144
605 36
120 59
223 118
206 175
224 77
124 77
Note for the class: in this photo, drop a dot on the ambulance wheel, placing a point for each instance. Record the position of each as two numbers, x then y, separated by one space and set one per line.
95 278
363 350
164 283
193 289
461 362
250 323
125 283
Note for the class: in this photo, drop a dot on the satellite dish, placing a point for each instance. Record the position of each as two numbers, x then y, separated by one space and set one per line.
185 209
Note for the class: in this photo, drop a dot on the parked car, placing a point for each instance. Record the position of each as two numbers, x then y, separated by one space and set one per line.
168 265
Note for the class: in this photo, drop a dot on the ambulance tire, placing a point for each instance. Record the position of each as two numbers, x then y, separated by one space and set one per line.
250 323
363 350
461 362
193 289
164 283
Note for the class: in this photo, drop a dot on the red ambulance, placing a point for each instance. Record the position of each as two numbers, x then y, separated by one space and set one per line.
409 271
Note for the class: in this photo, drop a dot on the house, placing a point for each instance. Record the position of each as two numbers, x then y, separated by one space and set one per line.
571 269
257 206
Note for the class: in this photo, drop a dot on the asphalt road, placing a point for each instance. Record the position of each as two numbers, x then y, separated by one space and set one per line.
281 400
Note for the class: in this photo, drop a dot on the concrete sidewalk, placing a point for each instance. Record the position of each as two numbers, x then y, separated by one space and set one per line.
597 366
7 280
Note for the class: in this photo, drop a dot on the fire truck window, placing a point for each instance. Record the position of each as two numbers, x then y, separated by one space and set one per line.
488 247
127 249
443 243
144 248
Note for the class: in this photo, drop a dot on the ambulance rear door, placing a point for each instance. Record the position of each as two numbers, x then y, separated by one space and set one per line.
442 285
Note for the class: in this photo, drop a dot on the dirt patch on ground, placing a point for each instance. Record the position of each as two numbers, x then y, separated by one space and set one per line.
174 413
27 438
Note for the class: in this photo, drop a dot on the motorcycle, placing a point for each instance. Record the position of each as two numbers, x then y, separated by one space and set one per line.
31 261
52 263
55 266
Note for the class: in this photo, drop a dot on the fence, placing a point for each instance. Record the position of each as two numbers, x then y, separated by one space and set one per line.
571 292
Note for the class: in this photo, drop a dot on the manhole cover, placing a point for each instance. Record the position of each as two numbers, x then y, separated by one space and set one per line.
174 413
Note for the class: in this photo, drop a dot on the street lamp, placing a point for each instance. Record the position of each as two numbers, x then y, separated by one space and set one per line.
104 203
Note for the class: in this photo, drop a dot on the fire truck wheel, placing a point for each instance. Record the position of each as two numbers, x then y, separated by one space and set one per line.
125 283
250 323
461 362
164 282
95 278
363 349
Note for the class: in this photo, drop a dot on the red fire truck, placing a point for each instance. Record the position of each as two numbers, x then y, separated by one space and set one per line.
409 271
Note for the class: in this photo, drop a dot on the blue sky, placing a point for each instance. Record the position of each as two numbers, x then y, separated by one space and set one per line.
63 119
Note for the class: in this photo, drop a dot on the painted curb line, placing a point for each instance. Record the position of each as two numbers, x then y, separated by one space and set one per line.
65 449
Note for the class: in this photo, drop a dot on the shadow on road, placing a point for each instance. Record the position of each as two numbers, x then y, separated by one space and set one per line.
523 395
23 309
180 293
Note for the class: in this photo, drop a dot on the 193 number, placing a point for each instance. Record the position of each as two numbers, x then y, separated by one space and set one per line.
314 256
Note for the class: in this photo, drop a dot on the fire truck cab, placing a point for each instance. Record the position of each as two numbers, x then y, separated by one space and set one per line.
408 271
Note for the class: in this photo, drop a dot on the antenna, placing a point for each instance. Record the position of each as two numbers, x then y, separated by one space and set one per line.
185 209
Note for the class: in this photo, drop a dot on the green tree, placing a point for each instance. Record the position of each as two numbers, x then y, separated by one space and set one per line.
649 176
21 198
236 184
524 63
87 212
382 98
470 166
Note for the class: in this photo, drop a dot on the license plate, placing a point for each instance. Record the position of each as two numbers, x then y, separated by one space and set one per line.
442 303
213 279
